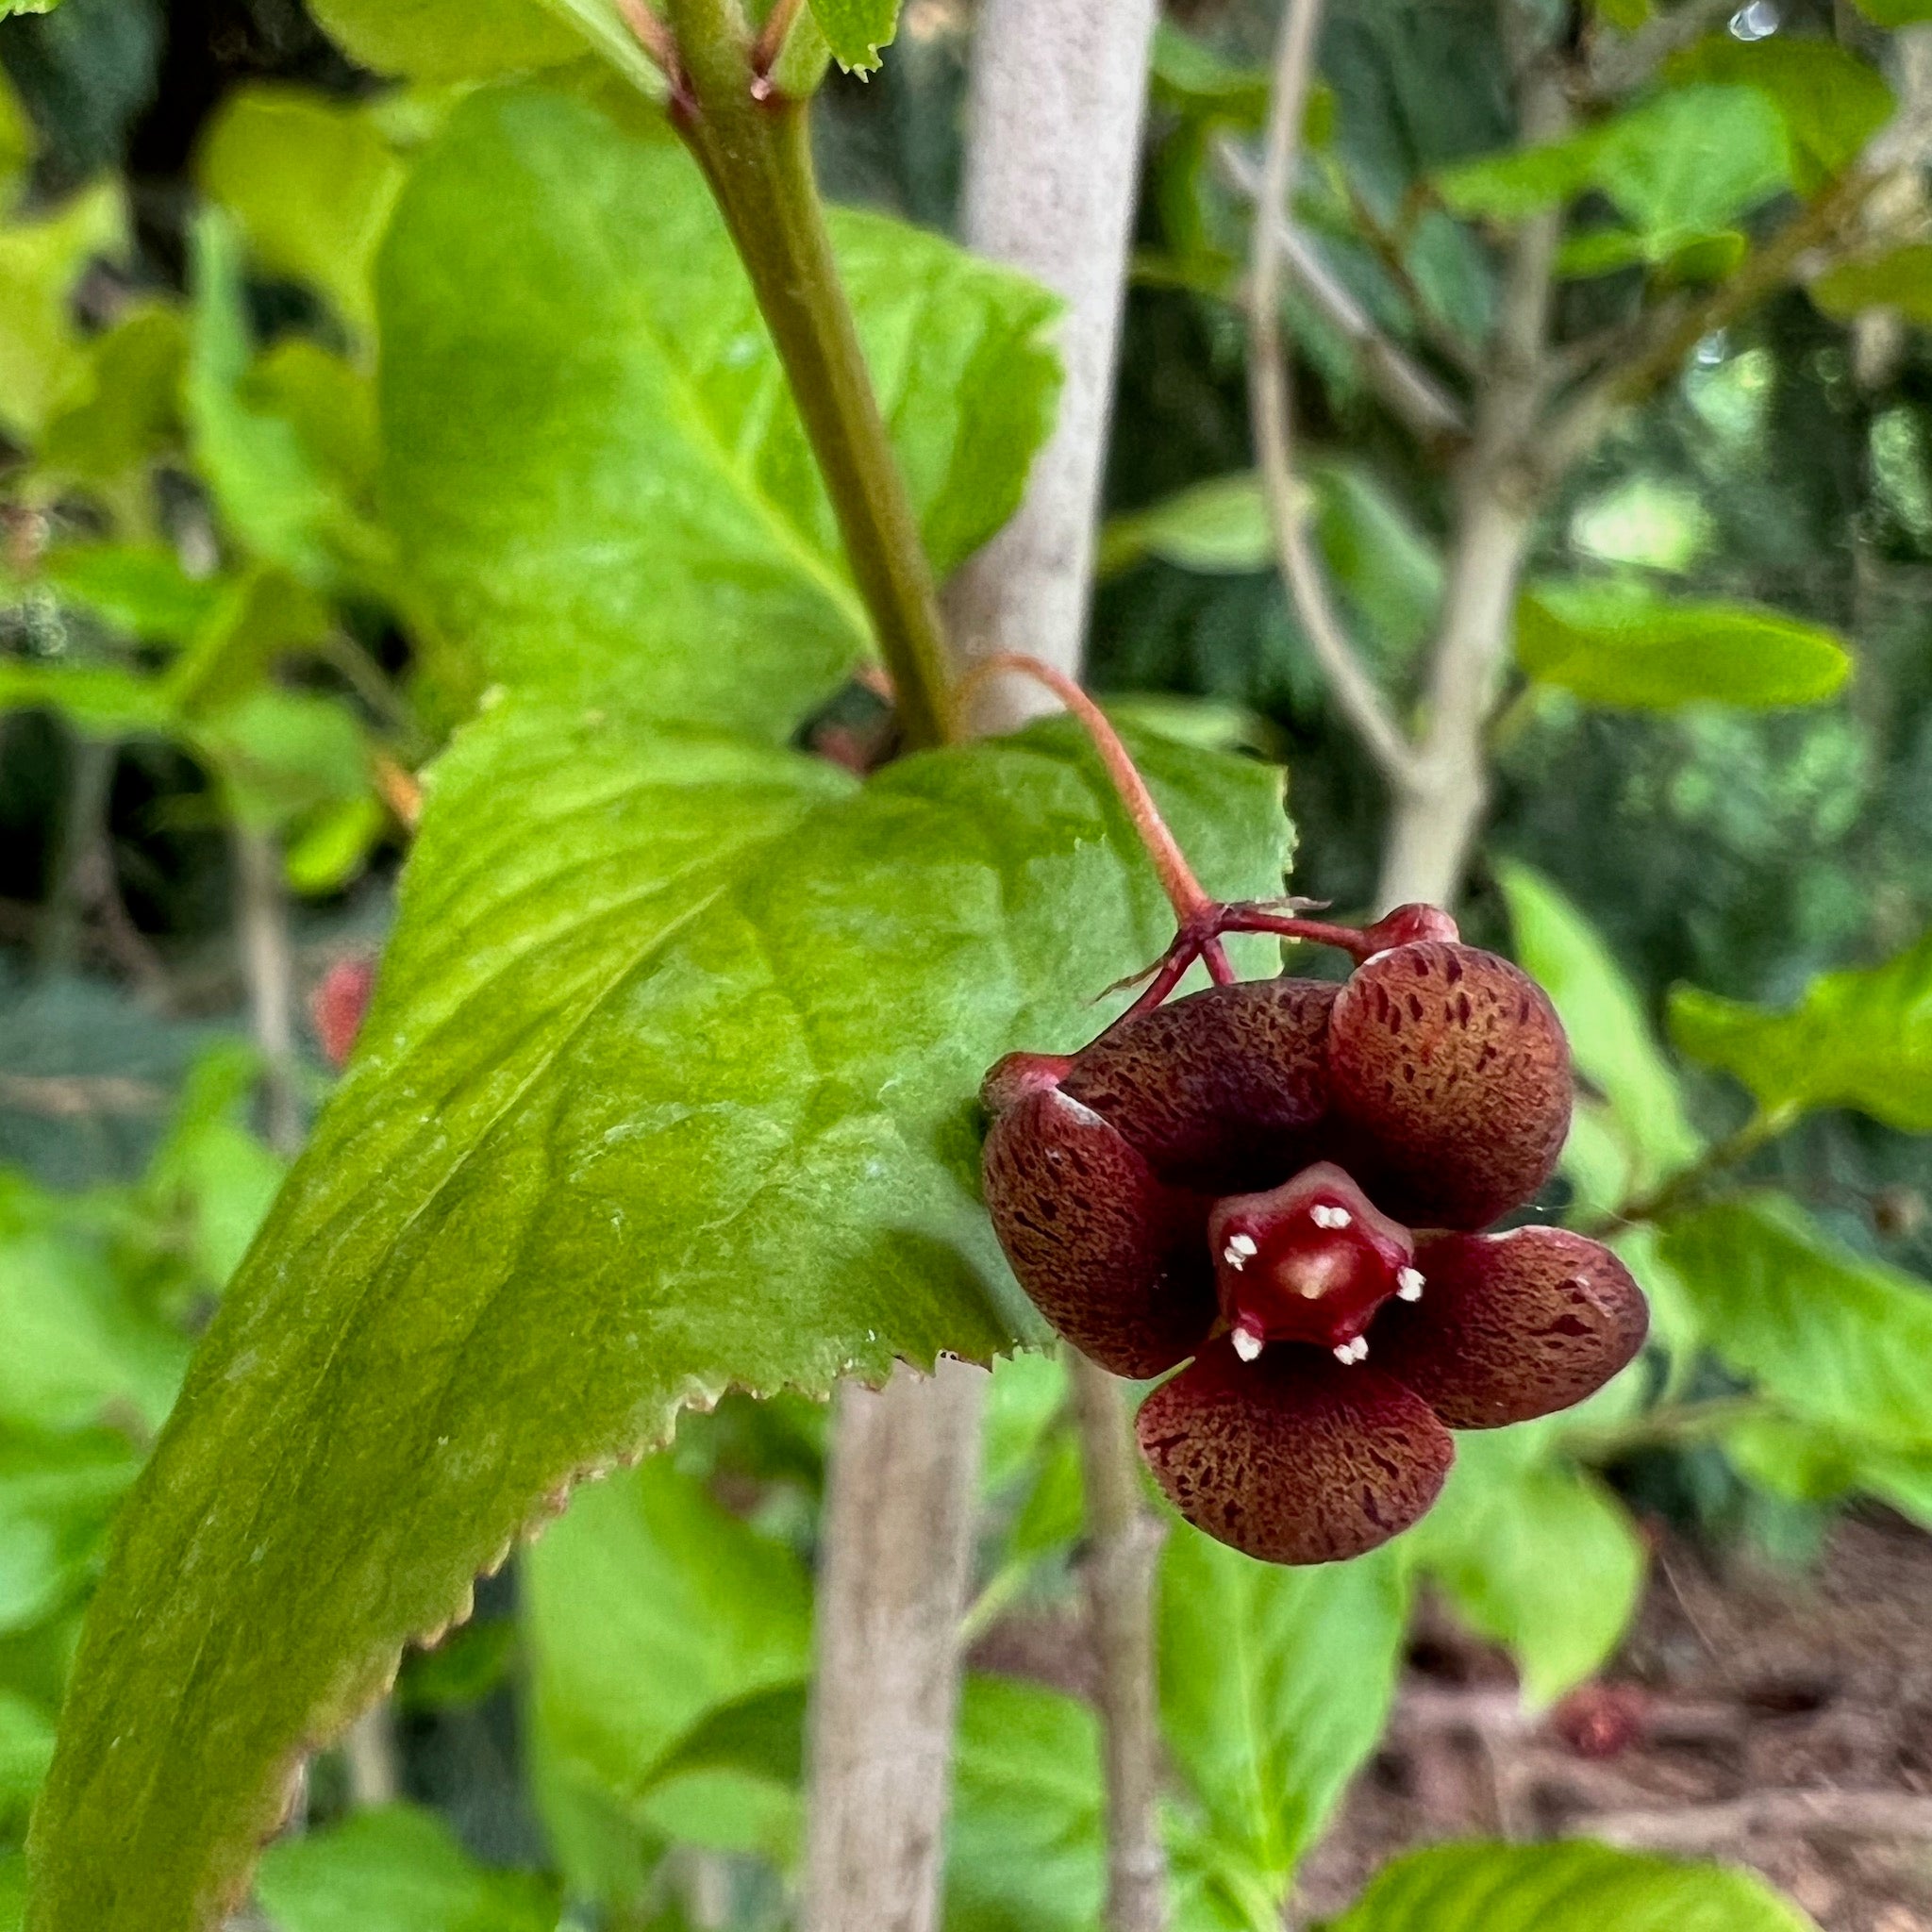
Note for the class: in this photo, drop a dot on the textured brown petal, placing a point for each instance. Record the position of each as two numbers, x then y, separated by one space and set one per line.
1117 1262
1293 1459
1450 1066
1219 1091
1512 1326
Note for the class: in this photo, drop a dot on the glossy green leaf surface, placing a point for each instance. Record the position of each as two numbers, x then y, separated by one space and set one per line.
856 29
668 1086
1564 1888
1862 1037
1275 1686
1620 644
396 1870
593 460
1838 1340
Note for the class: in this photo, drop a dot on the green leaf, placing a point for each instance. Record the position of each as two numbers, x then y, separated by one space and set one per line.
43 355
668 1086
1838 1339
1860 1038
1217 527
650 1609
1023 1838
396 1870
1274 1688
1611 1043
1895 13
1900 280
93 698
1617 643
120 409
594 463
1191 77
856 29
1805 1463
1684 165
11 7
311 183
283 754
448 40
1832 103
58 1493
26 1748
1564 1888
1537 1555
139 589
269 488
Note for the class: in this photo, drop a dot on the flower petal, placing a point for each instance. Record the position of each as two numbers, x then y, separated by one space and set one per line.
1218 1089
1293 1457
1115 1260
1452 1065
1512 1326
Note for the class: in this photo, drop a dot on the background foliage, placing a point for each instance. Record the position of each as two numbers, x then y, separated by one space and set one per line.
356 422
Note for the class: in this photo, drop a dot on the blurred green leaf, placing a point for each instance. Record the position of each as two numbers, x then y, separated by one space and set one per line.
1895 13
250 621
1618 643
95 699
1832 103
593 461
448 40
11 7
76 1346
17 143
58 1493
121 409
1683 165
1023 1838
1838 1339
1192 78
311 183
330 405
650 1609
139 589
574 1225
1276 1685
1901 279
1806 1463
1537 1555
282 755
1217 527
1611 1043
334 844
1564 1888
26 1748
396 1870
43 358
1027 1394
856 29
1862 1037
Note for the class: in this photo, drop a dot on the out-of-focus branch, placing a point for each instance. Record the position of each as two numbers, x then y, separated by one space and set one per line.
1409 390
1437 815
1356 693
1123 1546
268 970
1619 62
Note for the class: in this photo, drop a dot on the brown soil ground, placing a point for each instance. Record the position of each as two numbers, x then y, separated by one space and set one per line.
1775 1719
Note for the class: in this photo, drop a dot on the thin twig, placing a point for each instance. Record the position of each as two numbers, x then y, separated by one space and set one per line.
1411 393
1701 1827
1355 691
74 1097
1124 1543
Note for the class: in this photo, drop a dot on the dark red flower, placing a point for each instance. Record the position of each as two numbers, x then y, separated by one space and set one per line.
1286 1181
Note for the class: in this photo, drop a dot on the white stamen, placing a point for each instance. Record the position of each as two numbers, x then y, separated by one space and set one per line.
1409 1285
1361 1348
1241 1243
1325 1216
1344 1352
1233 1256
1247 1344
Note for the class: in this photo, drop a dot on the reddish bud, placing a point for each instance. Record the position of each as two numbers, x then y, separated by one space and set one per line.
1602 1720
1114 1260
336 1005
1293 1459
1309 1262
1450 1066
1020 1073
1512 1327
1408 925
1219 1091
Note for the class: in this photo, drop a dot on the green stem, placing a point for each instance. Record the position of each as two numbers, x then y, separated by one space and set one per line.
1667 1426
1765 1126
756 151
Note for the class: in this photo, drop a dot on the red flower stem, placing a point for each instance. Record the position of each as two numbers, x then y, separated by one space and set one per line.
1177 878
